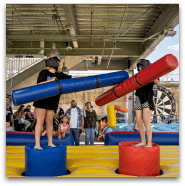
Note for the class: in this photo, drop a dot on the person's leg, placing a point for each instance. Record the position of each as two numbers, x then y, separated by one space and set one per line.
49 127
87 136
76 136
139 120
72 133
146 119
41 113
92 132
27 124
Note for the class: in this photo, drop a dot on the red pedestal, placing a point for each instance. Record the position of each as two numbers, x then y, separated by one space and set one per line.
139 161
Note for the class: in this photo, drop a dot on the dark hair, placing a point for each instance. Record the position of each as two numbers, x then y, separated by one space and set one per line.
64 116
104 118
20 108
86 104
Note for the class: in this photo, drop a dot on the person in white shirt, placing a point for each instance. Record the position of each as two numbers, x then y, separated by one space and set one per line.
76 120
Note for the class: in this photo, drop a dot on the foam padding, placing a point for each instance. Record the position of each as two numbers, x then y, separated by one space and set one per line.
160 138
139 161
41 91
25 138
49 161
93 161
111 116
157 69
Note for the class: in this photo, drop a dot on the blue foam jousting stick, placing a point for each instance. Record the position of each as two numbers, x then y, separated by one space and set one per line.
65 86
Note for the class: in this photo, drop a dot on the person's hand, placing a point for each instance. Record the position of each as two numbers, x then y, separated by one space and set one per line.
59 137
53 79
63 135
83 130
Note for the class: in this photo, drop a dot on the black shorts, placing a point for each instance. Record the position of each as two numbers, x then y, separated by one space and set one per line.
138 105
50 103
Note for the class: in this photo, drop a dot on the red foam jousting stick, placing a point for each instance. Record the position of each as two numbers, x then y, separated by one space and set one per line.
159 68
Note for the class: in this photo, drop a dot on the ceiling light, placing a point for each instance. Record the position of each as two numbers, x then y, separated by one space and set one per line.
171 33
64 68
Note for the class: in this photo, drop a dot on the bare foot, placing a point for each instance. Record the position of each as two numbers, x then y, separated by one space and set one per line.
149 145
52 145
39 147
141 144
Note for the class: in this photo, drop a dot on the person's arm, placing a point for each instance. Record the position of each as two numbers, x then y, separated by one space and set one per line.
84 113
96 118
12 120
82 120
42 78
16 114
59 129
61 75
68 129
53 79
97 124
11 117
29 115
156 81
67 113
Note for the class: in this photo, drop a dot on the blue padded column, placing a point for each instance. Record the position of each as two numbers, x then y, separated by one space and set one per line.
49 161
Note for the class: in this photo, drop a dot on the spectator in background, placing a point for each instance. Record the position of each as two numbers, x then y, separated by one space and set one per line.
103 125
9 113
8 127
90 123
59 110
76 120
63 127
28 114
60 115
20 115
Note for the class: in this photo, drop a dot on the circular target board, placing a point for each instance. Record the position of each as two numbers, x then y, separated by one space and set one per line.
164 101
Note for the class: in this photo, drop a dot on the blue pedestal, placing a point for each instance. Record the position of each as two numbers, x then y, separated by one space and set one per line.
46 162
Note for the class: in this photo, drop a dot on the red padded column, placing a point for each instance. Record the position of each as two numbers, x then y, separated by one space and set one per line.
139 161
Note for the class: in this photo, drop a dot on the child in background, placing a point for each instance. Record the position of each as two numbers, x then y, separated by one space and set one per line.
63 127
103 125
8 127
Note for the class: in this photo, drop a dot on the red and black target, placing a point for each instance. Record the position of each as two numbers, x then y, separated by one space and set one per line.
164 101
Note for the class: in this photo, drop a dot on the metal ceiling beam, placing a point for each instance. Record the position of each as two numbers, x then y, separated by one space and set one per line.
64 49
167 20
23 20
70 19
117 35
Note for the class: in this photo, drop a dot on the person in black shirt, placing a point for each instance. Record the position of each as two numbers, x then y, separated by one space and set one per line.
144 106
90 123
28 115
45 107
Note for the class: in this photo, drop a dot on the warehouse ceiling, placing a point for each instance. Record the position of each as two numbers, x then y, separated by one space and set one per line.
115 36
